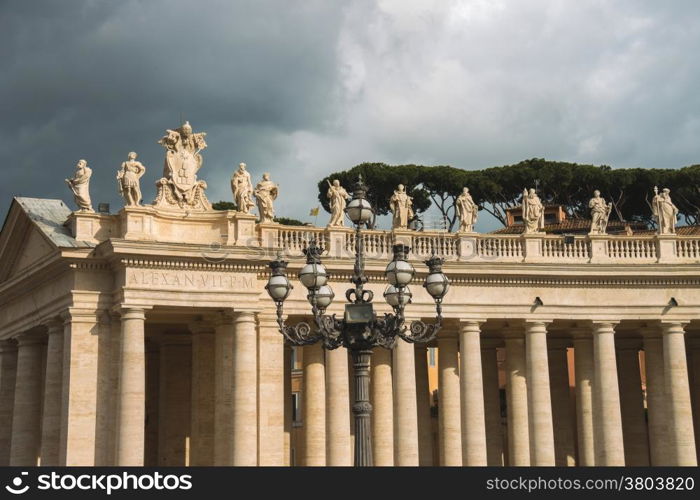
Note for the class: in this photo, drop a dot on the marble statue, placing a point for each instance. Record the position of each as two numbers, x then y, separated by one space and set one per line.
266 192
129 180
338 197
242 189
533 212
179 186
467 211
600 213
665 212
80 185
401 206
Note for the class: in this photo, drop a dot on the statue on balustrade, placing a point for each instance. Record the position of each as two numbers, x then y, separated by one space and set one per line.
600 213
533 212
129 180
242 189
467 211
179 187
79 184
665 212
338 197
265 194
401 206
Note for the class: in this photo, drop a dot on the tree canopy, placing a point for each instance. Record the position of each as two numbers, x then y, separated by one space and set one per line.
496 189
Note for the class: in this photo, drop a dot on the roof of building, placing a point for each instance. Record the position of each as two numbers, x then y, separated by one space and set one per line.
50 217
569 225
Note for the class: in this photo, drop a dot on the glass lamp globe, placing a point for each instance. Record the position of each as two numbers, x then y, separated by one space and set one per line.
278 287
437 285
391 295
313 276
399 272
359 211
324 297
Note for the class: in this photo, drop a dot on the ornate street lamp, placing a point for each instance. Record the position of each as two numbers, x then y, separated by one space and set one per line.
360 330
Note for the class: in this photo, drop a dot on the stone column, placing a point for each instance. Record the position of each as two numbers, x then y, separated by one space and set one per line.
132 389
607 418
8 376
425 431
405 405
634 425
338 450
152 400
564 450
472 391
382 399
314 406
539 400
223 389
583 371
53 396
656 397
175 394
26 422
107 385
517 400
449 416
694 355
245 382
287 405
492 404
680 417
203 389
272 393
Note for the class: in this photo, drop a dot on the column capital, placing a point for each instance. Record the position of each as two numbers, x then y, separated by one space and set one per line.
54 325
629 344
77 315
668 327
201 327
599 327
244 316
223 317
29 338
267 319
471 324
132 313
8 345
536 326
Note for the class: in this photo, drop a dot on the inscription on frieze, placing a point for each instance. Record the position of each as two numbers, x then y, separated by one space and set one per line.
189 280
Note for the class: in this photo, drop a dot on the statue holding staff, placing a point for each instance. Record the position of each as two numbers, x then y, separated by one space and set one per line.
338 197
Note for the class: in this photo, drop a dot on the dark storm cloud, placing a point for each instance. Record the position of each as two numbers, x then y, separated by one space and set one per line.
303 88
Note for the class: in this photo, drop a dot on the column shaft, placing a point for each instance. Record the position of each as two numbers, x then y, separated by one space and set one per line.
583 371
449 412
175 394
425 431
564 449
245 388
53 397
517 402
314 406
272 396
492 407
680 416
382 399
539 400
338 450
132 389
656 397
634 425
474 451
8 377
203 399
405 405
607 418
26 422
223 390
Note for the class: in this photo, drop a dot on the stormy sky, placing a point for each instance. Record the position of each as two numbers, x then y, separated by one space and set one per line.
304 88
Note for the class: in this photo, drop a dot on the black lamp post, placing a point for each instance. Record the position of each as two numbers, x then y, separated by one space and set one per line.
360 330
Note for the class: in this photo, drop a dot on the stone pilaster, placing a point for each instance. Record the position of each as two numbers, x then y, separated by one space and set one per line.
53 396
634 425
271 392
382 399
314 406
607 418
492 404
564 448
405 405
474 450
425 431
175 394
449 416
517 400
26 422
203 397
679 413
245 401
338 445
132 389
8 376
539 399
